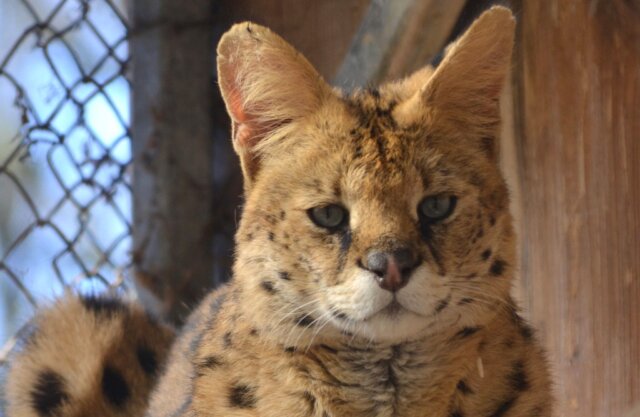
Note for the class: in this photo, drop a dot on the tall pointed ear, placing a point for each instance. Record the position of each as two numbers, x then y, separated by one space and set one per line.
266 85
465 88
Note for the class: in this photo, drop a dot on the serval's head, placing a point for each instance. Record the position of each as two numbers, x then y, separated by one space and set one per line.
379 214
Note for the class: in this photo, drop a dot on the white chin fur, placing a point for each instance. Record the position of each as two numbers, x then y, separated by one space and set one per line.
398 327
362 300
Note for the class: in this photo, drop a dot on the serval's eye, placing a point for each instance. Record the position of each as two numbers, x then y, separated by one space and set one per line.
437 207
331 216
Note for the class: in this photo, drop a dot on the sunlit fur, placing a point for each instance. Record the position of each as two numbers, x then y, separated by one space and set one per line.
303 329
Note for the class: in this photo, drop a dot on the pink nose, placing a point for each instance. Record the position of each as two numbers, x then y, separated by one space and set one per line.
392 269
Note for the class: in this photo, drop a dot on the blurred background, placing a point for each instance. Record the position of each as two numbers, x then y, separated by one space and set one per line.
117 174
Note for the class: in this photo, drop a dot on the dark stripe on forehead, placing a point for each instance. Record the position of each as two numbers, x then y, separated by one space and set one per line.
372 110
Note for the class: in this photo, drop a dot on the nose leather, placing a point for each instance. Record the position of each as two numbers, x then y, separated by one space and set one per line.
392 269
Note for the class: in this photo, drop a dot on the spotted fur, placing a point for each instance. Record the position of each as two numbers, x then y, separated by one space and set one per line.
304 328
87 356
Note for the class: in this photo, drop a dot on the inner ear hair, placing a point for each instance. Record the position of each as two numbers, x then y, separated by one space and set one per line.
266 85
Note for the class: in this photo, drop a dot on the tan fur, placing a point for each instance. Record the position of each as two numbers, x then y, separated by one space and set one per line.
71 344
303 329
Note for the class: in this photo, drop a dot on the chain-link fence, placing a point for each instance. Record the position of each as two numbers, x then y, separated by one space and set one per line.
65 198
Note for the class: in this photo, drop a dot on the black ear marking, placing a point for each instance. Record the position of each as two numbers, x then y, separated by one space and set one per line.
49 393
114 387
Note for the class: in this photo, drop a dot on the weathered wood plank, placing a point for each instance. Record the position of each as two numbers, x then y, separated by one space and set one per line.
578 94
172 145
396 38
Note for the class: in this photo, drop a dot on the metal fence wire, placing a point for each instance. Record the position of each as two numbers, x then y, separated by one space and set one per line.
65 196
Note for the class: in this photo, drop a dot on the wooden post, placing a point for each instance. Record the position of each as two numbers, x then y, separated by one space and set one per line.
396 38
577 89
172 43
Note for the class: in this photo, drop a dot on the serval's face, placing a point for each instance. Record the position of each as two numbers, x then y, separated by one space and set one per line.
381 214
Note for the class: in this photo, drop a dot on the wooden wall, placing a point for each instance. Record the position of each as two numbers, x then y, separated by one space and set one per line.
577 145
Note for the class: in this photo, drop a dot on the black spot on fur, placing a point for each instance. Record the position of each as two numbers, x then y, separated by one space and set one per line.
456 413
284 275
357 153
102 306
373 92
504 407
492 220
272 237
283 215
486 254
114 387
253 332
442 304
310 399
211 362
290 349
488 146
497 267
48 393
526 331
467 332
304 321
464 388
242 396
272 219
226 340
465 301
147 360
518 377
268 287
